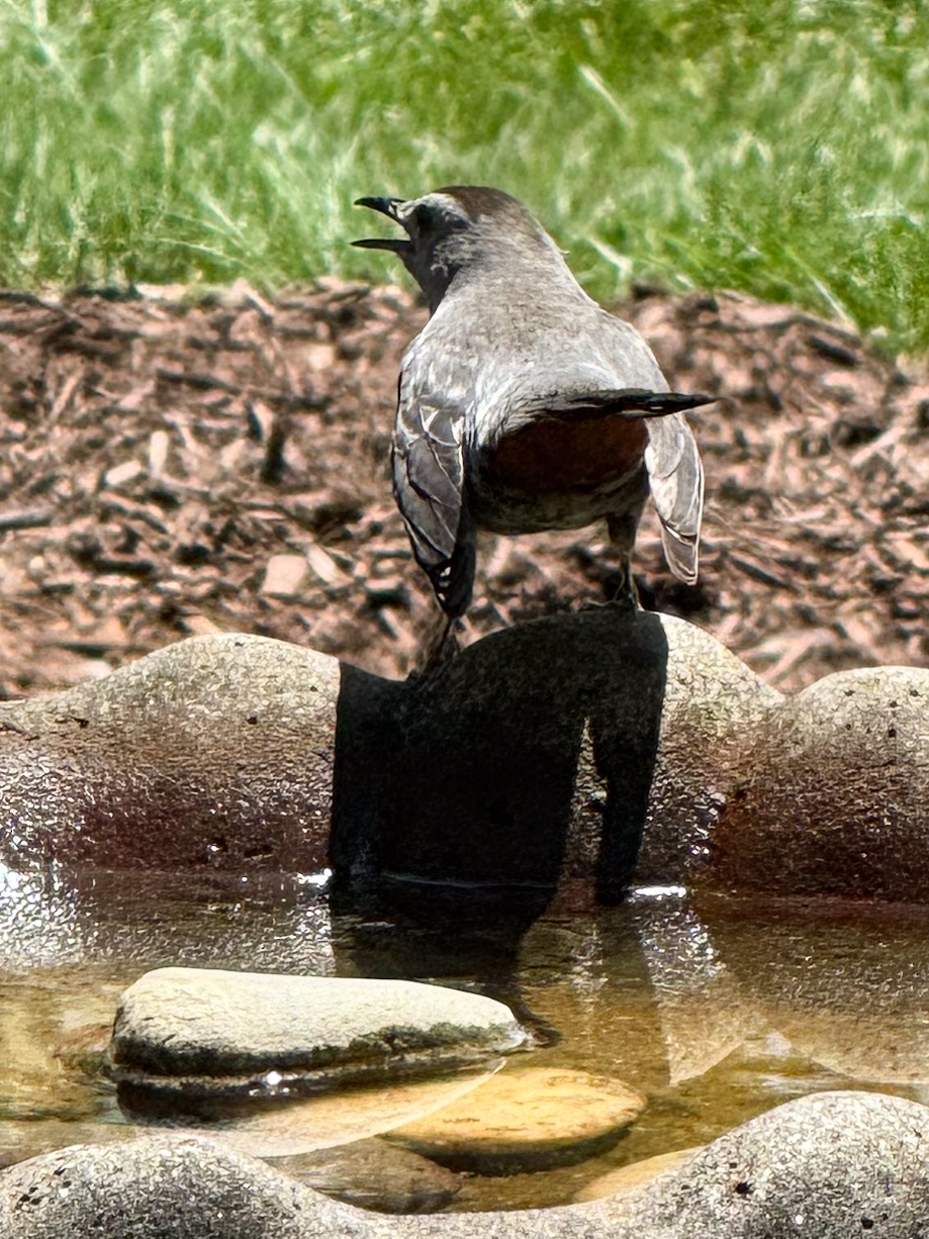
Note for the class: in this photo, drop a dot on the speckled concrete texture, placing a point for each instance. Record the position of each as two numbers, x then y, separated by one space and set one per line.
829 1165
835 798
163 1186
611 748
216 751
716 714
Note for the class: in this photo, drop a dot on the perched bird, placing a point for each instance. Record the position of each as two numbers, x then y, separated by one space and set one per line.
524 406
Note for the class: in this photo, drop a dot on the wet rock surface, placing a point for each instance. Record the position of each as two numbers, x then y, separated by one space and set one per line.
212 1032
832 1164
215 752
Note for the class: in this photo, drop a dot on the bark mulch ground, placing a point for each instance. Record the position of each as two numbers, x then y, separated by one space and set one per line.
171 467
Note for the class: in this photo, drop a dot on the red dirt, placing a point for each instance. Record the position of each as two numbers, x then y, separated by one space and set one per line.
171 468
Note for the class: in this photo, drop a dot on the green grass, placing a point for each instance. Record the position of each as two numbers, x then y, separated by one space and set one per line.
776 146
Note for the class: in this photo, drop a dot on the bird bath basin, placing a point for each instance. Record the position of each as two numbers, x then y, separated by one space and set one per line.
713 1011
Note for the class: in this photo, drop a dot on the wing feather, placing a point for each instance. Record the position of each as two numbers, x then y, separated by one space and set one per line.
429 482
672 459
675 475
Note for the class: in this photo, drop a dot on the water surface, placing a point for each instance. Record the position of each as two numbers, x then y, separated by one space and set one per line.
715 1010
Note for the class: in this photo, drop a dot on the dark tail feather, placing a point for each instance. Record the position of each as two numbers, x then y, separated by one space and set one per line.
661 403
624 402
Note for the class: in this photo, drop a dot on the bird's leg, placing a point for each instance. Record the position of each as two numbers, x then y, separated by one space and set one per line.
626 595
440 644
622 535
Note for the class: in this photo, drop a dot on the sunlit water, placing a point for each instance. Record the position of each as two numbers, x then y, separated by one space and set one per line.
715 1010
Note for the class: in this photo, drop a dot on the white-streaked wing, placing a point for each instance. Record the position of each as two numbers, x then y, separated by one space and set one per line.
675 476
428 474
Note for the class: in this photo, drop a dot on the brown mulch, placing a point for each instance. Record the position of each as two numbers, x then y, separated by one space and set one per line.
171 468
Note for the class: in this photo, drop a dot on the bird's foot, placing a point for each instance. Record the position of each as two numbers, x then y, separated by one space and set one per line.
624 601
626 598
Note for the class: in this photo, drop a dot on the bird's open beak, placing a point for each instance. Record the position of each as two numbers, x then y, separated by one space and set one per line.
388 207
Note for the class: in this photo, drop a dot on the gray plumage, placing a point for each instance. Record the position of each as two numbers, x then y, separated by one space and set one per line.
523 405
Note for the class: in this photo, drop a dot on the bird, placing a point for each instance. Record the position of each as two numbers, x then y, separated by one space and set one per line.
523 405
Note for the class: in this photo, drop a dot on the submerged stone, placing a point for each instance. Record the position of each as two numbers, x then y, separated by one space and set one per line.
625 1178
374 1174
281 1121
524 1119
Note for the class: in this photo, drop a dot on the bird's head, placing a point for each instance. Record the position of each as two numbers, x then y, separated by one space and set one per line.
457 231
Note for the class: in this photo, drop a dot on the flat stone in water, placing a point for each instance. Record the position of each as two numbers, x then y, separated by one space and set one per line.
226 1032
536 1117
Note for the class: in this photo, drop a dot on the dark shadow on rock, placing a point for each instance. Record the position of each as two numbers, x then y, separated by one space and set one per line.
465 782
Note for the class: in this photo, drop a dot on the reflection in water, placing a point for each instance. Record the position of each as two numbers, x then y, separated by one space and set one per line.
702 1015
262 921
713 1010
287 1128
846 986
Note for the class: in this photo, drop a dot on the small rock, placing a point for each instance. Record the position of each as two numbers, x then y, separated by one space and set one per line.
119 475
284 576
521 1119
319 356
231 1029
324 566
159 444
373 1174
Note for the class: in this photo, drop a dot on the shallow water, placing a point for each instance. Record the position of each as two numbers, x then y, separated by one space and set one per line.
715 1010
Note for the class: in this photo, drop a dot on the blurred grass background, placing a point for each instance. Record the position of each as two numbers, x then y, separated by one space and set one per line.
775 146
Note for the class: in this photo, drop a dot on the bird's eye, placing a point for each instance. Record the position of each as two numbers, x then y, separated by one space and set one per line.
422 218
